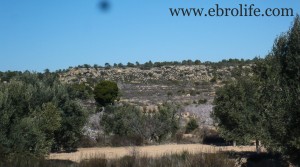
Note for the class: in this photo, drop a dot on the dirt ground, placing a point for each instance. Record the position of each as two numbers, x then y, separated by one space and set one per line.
153 151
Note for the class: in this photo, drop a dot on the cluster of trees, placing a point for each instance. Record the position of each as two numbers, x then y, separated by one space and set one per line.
6 76
129 121
230 62
82 91
38 114
148 65
127 124
265 104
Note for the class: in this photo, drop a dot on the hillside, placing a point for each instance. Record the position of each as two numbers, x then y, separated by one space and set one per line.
191 87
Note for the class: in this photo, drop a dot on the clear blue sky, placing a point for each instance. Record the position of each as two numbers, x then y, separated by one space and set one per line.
56 34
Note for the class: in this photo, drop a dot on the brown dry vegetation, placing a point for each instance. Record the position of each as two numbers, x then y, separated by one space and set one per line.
149 151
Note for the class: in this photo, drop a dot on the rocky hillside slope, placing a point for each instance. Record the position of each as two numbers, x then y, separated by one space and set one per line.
192 87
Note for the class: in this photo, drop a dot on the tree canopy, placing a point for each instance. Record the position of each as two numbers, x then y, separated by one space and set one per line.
237 110
266 104
106 92
128 120
38 114
280 90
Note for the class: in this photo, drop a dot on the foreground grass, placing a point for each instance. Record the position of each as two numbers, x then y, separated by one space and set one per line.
149 151
183 159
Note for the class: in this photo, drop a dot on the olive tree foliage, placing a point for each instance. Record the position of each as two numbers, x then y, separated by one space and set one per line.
38 114
279 92
267 105
237 111
128 120
82 91
106 92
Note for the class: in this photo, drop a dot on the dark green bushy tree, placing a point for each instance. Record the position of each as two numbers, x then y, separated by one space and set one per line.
106 92
237 110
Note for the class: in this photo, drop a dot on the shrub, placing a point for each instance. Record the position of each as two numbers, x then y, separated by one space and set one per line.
202 101
211 136
118 141
191 125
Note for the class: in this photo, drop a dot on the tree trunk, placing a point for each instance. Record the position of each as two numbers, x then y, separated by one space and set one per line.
258 146
234 143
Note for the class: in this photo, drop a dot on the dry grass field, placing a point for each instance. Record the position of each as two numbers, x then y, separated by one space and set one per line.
150 151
